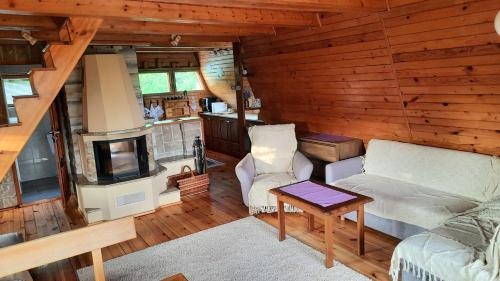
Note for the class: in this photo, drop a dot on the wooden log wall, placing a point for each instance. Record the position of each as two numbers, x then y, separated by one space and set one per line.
218 72
426 72
20 54
152 60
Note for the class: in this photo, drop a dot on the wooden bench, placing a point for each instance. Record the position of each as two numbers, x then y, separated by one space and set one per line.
9 239
45 250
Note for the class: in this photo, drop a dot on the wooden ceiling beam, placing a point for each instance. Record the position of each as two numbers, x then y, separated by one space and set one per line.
16 22
190 43
129 39
162 38
155 49
166 45
37 23
14 35
181 47
158 11
144 27
294 5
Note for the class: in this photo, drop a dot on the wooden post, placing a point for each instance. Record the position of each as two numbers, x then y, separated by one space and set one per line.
361 230
4 115
98 265
240 103
329 241
281 219
15 177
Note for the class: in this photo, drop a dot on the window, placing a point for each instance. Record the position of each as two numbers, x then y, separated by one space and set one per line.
154 83
16 87
169 81
187 81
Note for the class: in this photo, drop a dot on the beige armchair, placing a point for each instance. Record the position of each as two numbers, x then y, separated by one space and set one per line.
274 161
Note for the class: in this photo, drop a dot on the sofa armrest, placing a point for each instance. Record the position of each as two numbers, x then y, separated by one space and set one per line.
343 169
245 171
302 167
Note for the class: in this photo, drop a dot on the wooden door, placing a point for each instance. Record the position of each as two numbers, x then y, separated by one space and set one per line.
61 165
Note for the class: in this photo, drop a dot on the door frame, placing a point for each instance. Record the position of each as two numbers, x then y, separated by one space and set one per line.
56 118
59 153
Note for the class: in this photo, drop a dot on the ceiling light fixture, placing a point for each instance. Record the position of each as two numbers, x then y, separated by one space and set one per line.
27 35
175 39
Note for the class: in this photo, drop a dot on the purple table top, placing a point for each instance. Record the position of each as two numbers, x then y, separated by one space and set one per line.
317 194
327 138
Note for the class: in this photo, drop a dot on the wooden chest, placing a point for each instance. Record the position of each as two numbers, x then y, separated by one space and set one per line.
330 148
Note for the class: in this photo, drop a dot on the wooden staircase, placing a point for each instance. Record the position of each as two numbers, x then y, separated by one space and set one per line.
59 60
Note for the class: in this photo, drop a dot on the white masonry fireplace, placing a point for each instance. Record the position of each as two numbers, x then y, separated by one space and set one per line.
120 175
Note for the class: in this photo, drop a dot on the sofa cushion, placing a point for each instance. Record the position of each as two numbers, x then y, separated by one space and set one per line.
273 148
466 174
406 202
259 198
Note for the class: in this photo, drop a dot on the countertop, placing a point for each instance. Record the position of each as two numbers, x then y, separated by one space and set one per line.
173 121
248 116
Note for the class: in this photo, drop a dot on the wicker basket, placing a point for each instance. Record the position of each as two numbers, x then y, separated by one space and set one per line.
189 182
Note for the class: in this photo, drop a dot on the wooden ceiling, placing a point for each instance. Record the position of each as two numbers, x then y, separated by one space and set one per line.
151 22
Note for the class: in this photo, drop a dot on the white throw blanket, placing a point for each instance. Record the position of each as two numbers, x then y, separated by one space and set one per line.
261 200
406 202
465 248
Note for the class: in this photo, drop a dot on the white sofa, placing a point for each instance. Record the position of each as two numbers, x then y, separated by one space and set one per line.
416 188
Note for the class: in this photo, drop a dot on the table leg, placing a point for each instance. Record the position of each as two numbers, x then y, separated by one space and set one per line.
310 222
281 219
329 241
361 230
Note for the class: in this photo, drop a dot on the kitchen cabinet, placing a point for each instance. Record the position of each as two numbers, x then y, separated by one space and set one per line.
221 134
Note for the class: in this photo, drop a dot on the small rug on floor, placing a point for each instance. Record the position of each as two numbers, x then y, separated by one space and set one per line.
246 249
213 163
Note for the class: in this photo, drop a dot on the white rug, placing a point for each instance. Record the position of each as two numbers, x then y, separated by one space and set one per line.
246 249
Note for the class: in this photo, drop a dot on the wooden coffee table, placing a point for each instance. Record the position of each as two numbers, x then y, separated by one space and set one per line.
326 202
177 277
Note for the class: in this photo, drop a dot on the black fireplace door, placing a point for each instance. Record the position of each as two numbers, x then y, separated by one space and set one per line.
122 159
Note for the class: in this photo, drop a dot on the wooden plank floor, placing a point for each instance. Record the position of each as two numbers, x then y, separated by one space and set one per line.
221 205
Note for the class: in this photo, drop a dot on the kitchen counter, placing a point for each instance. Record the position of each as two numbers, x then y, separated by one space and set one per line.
175 136
173 121
248 116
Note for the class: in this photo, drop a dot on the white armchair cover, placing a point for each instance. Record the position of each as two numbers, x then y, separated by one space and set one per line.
273 162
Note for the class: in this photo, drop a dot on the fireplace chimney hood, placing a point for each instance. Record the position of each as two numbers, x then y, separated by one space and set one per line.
109 100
